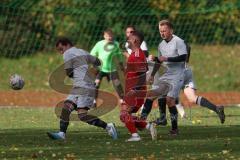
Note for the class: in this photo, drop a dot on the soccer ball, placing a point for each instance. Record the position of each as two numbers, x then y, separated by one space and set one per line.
16 82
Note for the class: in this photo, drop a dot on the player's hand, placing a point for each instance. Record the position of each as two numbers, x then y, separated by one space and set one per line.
162 59
150 57
150 80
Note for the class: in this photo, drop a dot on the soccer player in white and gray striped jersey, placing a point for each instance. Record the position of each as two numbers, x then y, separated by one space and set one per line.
76 65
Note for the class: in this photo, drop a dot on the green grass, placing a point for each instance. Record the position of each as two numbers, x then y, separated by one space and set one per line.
216 68
23 136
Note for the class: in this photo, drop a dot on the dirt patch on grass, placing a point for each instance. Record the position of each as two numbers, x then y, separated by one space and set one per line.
51 99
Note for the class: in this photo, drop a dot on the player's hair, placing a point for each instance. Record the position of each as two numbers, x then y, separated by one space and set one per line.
131 26
64 41
108 31
139 35
166 22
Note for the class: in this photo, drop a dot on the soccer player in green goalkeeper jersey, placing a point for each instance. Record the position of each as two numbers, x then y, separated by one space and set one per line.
108 51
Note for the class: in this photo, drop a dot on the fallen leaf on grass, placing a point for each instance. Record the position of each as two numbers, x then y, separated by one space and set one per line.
225 151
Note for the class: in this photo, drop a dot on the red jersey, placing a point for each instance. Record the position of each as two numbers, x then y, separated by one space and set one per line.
136 77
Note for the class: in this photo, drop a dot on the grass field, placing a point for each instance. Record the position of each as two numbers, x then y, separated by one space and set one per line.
216 68
23 136
23 130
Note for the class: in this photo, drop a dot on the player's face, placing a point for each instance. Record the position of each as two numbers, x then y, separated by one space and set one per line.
62 48
129 31
165 32
131 41
108 37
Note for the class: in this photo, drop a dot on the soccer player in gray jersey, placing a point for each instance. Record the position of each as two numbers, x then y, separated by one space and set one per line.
189 89
172 54
76 65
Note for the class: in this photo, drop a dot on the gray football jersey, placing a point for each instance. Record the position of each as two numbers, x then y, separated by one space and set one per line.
174 70
173 48
79 60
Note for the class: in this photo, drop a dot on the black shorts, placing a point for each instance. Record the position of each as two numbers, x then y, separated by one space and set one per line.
109 76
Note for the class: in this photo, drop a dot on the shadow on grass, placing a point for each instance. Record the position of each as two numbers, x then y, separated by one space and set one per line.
91 143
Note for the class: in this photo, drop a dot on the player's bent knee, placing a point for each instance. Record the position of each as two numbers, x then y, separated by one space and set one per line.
192 99
68 107
82 116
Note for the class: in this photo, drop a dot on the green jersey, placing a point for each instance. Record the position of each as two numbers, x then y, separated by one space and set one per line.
109 54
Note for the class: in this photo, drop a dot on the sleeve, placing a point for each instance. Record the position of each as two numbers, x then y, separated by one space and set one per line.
144 46
94 51
181 58
93 60
68 60
181 47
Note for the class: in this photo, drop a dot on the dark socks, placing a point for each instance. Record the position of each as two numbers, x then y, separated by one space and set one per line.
92 120
174 117
205 103
65 114
63 126
147 108
162 107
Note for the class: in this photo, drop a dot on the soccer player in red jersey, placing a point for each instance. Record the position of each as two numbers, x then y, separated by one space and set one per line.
135 81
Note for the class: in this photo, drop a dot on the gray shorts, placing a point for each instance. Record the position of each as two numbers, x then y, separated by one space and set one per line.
176 82
188 79
81 101
176 86
82 97
161 88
